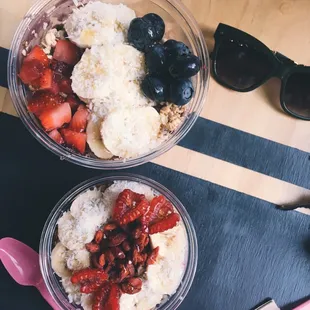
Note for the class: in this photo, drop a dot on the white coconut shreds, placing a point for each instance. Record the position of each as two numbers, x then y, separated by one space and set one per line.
87 301
99 23
73 290
108 78
77 260
78 227
131 132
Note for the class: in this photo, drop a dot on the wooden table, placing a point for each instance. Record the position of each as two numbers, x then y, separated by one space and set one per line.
242 141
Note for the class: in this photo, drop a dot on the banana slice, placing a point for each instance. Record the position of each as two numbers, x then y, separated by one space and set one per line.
131 132
59 260
94 140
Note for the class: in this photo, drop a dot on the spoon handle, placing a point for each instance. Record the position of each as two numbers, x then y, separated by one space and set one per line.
46 295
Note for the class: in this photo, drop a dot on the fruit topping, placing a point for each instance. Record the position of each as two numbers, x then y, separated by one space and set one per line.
101 296
185 66
65 85
135 212
141 34
42 101
61 68
153 256
56 136
67 52
79 119
125 201
89 275
155 59
158 24
55 117
175 48
121 252
38 54
74 139
45 81
132 286
154 88
73 101
31 70
167 223
113 299
181 91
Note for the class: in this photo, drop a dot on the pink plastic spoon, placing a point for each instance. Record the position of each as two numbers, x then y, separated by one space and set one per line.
22 263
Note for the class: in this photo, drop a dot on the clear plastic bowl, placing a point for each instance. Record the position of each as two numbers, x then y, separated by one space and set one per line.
46 242
180 25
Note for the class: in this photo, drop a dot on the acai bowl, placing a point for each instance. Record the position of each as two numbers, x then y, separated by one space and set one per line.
149 270
92 92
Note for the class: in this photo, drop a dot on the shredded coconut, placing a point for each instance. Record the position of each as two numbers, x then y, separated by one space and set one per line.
77 260
108 78
87 301
50 39
73 290
131 132
99 23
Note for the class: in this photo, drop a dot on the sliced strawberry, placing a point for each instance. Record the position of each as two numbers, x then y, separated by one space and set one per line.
56 117
31 70
73 101
42 101
79 119
75 139
61 68
65 85
56 136
67 52
45 81
55 88
101 296
167 223
38 54
113 299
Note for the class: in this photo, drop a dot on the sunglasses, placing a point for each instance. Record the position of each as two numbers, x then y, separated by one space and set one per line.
243 63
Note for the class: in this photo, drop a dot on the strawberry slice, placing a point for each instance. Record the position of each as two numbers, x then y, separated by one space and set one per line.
31 70
45 81
74 139
55 117
61 68
79 119
56 136
167 223
38 54
67 52
113 299
73 101
65 85
42 101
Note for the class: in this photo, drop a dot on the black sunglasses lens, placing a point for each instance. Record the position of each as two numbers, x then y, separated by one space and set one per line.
240 65
296 94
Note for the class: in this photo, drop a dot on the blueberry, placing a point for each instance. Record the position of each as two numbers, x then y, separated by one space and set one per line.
181 91
185 66
140 34
175 48
154 88
157 23
155 60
